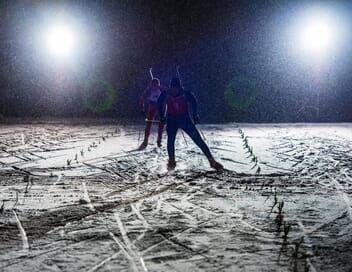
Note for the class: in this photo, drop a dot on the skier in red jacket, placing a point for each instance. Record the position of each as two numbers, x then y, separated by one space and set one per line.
175 100
150 97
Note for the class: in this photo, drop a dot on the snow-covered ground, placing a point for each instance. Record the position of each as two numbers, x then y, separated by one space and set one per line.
82 198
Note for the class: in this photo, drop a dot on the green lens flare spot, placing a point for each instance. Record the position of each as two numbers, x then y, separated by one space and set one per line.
241 92
99 95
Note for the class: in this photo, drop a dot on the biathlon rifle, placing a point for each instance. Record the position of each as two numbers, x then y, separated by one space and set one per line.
151 72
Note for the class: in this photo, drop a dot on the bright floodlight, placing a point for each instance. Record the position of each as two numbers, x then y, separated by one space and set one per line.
317 34
60 40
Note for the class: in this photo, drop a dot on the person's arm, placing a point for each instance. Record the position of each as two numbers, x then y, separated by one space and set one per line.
161 105
191 99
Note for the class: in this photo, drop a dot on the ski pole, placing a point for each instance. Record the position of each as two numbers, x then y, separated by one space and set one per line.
179 76
178 71
183 135
139 135
140 130
201 132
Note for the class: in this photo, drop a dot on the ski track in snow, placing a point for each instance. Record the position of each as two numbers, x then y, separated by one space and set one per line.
89 201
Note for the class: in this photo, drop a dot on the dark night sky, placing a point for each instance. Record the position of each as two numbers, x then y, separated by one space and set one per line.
221 46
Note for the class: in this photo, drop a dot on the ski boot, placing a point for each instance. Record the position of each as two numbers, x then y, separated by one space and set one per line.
216 165
171 164
143 145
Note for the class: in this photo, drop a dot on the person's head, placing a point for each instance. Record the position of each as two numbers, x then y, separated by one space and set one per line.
175 86
155 83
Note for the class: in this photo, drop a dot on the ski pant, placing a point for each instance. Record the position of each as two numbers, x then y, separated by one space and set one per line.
186 124
151 116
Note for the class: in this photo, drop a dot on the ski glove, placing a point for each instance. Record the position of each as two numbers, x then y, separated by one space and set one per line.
162 119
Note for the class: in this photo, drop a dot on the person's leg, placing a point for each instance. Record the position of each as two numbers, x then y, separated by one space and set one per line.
148 126
160 133
160 130
171 129
188 126
148 122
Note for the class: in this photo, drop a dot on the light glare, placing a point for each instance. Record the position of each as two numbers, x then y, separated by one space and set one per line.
60 40
317 37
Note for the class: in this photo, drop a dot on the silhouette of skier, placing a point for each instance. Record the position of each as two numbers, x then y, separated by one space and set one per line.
150 96
175 101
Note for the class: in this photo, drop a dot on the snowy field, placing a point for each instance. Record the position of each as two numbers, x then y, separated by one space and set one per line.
81 198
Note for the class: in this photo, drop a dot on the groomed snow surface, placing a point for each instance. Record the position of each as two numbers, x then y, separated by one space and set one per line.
82 198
